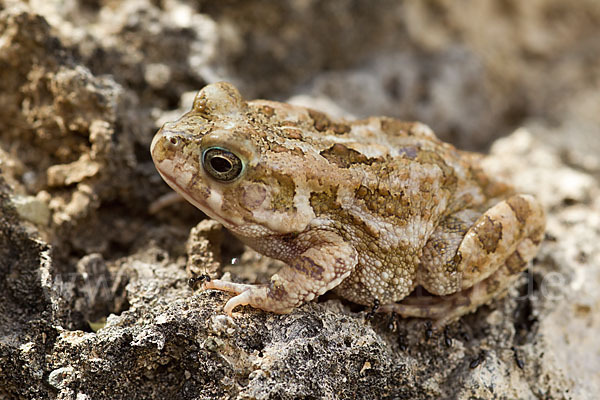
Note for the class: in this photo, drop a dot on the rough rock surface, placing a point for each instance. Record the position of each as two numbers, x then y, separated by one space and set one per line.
95 300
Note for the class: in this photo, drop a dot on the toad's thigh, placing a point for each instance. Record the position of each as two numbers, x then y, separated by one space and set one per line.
508 233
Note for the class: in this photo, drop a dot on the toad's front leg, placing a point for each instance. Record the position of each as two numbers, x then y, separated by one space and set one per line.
322 261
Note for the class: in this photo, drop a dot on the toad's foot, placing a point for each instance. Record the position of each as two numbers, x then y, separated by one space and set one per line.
325 262
245 294
445 309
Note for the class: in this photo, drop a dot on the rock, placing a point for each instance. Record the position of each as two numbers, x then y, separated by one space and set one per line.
203 249
28 306
32 209
94 271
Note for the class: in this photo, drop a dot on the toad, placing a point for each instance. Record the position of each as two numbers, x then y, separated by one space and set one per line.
370 209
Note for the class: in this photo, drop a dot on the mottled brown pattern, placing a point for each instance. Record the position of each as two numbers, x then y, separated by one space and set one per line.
323 123
276 292
382 203
308 267
268 111
489 233
323 202
393 127
537 236
292 133
282 197
450 179
343 156
515 263
520 207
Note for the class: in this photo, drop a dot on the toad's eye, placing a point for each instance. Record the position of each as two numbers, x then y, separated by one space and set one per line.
221 164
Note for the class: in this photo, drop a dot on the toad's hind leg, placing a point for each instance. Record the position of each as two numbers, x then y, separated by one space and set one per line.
470 260
445 309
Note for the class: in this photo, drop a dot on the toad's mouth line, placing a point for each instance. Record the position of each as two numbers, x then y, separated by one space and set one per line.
201 205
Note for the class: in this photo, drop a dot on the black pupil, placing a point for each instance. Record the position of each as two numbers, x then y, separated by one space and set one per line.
220 164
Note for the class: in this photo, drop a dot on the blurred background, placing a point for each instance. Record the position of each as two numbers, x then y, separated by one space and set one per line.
473 70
